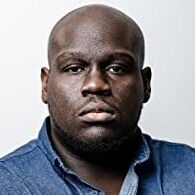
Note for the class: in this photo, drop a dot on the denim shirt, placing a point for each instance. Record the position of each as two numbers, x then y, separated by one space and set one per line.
158 168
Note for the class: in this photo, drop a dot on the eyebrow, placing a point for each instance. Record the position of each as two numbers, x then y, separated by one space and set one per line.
124 55
66 56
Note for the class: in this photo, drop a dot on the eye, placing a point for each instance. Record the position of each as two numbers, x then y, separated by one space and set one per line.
74 69
116 69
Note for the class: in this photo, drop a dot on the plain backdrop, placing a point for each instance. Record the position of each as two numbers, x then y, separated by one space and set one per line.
169 30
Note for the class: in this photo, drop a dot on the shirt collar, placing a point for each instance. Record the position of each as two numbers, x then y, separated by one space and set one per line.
45 142
143 151
142 154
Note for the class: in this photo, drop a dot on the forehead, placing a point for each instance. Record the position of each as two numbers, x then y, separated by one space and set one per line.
94 36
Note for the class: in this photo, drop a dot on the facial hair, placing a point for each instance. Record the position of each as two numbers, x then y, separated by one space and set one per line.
97 149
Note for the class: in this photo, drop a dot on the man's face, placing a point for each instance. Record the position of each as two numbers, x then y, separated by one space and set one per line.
94 89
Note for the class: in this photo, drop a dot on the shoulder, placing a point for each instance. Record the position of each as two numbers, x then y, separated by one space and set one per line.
12 166
23 153
171 151
26 159
22 150
10 183
175 158
174 163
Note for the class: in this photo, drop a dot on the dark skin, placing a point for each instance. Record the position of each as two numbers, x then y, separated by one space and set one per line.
95 89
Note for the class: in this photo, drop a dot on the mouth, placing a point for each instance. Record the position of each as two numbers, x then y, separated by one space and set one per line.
97 114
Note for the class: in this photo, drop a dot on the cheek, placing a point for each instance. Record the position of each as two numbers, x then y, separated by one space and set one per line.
130 89
129 93
62 97
65 90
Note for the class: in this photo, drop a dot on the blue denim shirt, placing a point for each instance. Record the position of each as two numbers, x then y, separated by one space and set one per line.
158 168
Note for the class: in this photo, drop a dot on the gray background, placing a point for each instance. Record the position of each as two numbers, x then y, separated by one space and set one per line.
169 31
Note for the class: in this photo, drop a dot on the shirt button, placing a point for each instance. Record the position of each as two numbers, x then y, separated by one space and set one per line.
95 193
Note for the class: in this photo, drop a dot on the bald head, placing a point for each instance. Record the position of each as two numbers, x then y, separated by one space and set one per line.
102 25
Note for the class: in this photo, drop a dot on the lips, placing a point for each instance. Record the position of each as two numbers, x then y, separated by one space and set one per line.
95 113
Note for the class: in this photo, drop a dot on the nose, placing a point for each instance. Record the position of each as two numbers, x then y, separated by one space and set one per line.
95 83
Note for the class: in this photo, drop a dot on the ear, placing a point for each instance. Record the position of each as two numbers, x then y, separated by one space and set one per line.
146 76
44 80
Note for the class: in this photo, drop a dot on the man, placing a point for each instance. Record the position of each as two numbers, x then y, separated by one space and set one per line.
95 88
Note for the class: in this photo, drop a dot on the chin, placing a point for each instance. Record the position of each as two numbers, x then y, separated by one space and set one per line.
97 143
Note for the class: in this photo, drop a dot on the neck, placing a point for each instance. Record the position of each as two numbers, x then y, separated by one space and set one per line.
106 175
106 172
